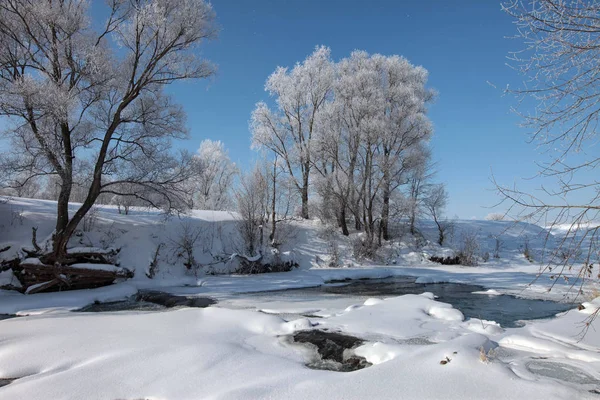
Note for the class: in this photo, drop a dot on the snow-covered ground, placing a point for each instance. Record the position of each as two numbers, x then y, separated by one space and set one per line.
226 352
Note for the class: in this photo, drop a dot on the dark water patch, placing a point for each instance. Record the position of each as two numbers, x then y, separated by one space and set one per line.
506 310
311 316
6 381
149 301
123 305
333 349
7 316
169 300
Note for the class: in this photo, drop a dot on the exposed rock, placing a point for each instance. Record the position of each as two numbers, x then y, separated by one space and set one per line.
334 350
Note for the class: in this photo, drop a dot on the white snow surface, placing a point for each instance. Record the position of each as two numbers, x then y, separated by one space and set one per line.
240 354
241 348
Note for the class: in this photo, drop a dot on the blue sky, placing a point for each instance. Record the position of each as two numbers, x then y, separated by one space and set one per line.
463 44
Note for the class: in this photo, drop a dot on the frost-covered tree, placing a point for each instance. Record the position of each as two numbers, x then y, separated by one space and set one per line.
418 183
215 176
495 217
252 200
22 185
74 92
405 125
288 130
434 204
370 135
343 130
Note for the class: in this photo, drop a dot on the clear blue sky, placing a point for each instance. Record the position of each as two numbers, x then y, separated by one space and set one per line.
463 44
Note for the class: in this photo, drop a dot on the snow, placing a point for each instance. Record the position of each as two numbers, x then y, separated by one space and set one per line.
240 354
241 348
98 267
489 292
14 302
8 278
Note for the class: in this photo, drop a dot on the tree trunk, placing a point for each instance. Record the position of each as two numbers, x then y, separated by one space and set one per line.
61 238
343 224
440 232
385 210
304 193
385 213
62 207
273 203
412 223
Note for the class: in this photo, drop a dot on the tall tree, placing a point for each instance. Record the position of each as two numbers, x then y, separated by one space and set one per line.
405 126
72 94
289 130
344 128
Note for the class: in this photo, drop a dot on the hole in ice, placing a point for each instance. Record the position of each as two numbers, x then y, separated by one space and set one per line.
334 350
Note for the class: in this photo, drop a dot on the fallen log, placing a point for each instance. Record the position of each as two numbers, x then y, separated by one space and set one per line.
5 265
40 287
45 278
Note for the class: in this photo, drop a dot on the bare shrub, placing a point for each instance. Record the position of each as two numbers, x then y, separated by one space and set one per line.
364 249
16 217
90 219
329 235
498 244
153 267
252 203
527 250
110 236
469 248
286 233
184 245
485 257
